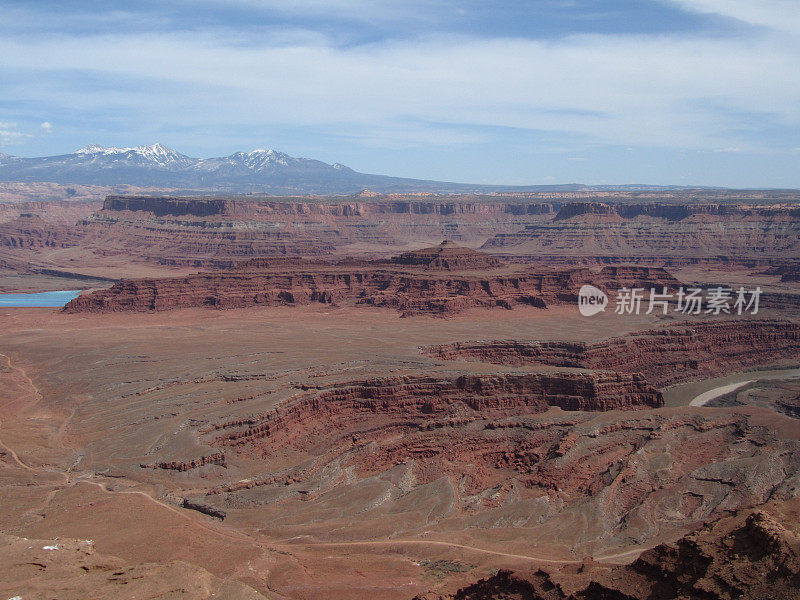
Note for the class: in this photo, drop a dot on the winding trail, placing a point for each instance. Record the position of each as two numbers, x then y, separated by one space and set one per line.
526 557
34 393
428 543
70 480
14 456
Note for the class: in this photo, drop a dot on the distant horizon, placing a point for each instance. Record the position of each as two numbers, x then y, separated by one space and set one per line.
672 92
507 185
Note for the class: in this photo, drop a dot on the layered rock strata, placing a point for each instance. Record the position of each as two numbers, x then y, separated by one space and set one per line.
629 477
420 401
173 228
665 356
31 232
408 293
436 281
202 230
666 231
448 256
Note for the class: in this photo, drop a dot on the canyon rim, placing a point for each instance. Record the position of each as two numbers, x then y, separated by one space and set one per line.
440 301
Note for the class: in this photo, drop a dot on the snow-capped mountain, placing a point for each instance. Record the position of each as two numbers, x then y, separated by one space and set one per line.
155 154
260 171
258 161
261 159
157 165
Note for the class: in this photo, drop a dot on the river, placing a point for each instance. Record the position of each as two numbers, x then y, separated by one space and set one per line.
39 299
697 393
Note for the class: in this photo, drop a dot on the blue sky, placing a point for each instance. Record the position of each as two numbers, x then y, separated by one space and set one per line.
686 92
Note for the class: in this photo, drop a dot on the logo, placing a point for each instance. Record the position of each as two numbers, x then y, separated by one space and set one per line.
688 301
591 300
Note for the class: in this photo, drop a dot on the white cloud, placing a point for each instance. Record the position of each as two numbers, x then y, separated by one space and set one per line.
671 91
10 135
46 127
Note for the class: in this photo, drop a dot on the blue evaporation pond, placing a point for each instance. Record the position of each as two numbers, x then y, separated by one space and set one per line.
59 298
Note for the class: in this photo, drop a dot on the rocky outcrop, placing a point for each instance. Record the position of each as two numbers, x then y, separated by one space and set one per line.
629 478
188 238
719 232
574 209
750 555
443 424
195 228
202 230
754 554
673 212
30 231
217 458
448 256
173 207
414 402
202 507
407 292
53 211
612 278
34 225
665 356
436 281
508 585
304 206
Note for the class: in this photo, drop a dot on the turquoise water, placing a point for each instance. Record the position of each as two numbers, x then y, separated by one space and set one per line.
40 299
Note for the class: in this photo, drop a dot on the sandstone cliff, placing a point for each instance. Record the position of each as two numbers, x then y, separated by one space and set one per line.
174 228
448 256
665 356
667 231
31 232
439 281
201 230
175 207
418 401
407 292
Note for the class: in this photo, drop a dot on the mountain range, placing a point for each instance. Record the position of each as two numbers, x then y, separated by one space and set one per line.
261 171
